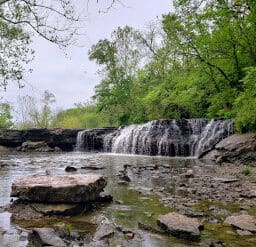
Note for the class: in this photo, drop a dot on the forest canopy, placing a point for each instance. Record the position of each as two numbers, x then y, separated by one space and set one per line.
200 61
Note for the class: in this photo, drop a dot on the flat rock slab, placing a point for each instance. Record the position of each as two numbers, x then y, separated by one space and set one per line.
180 226
75 188
59 209
47 237
243 222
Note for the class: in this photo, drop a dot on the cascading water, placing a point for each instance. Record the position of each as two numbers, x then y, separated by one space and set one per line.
186 137
80 140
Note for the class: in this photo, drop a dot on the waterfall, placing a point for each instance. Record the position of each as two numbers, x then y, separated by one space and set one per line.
80 140
185 137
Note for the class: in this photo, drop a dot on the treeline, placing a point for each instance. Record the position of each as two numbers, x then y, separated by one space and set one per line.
200 61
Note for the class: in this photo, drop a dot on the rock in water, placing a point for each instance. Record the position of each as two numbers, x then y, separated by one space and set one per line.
180 226
46 237
243 222
75 188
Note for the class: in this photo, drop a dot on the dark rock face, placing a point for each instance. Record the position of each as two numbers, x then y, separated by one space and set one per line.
239 147
93 140
65 139
77 188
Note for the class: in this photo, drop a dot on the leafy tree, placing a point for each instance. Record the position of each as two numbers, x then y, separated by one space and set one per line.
81 116
51 20
5 115
245 104
36 113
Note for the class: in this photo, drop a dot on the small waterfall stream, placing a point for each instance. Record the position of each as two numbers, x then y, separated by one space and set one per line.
186 137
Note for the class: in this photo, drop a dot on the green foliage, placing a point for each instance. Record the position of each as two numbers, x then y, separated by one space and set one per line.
194 65
5 115
69 228
82 116
20 20
36 113
247 171
245 104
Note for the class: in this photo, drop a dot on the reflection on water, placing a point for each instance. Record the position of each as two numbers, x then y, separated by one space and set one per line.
129 206
132 203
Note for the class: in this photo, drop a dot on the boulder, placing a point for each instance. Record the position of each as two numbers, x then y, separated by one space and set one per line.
75 188
239 147
70 169
39 146
46 237
243 222
180 226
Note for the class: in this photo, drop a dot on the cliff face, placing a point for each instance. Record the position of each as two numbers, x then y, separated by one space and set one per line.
239 148
65 139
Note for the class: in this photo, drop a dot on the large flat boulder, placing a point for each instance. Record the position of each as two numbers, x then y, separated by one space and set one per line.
75 188
243 222
180 226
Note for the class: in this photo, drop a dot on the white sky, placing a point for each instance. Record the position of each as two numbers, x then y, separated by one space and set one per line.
72 78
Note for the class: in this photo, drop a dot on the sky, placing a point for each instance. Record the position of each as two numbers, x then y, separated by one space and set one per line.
69 75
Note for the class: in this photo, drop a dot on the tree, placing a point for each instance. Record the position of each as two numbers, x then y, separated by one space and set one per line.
5 115
52 20
36 113
55 21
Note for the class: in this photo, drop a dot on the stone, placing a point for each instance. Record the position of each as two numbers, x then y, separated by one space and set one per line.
180 226
243 233
226 180
4 149
243 222
75 188
239 148
59 209
37 146
47 237
104 230
92 167
70 169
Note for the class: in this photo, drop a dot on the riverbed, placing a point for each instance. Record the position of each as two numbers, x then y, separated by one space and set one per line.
156 185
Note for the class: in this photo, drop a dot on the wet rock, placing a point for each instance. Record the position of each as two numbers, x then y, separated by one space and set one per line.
226 180
212 243
22 211
189 212
104 230
46 237
189 174
243 233
4 149
39 146
70 169
60 209
248 194
238 148
77 188
180 226
104 197
92 167
149 228
242 222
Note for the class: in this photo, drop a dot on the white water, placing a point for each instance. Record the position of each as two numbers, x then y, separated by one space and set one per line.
192 137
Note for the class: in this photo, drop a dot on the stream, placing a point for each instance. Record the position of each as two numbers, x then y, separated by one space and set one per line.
133 202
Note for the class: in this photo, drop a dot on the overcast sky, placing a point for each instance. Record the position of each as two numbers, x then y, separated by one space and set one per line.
72 78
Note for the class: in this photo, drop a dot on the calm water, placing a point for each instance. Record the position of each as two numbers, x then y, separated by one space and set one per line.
132 203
